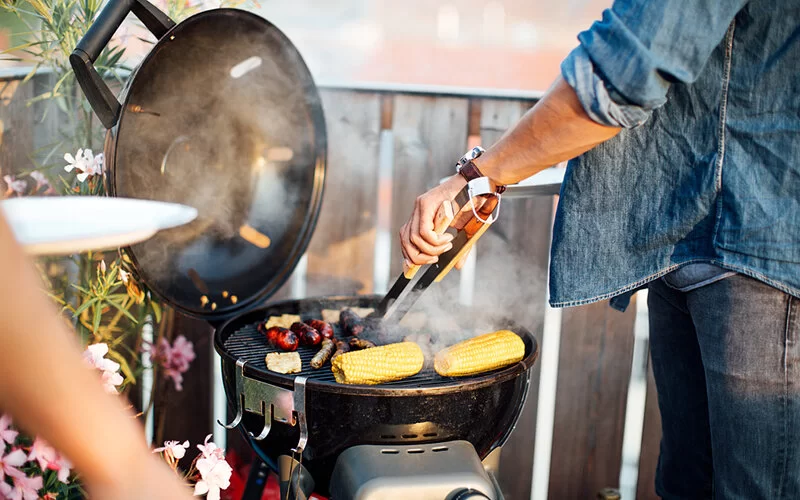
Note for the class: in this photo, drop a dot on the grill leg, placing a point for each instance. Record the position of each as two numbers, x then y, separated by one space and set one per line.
256 480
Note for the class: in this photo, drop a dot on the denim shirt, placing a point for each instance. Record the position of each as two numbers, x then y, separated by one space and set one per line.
707 168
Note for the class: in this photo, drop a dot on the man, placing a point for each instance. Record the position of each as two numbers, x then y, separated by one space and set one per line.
693 189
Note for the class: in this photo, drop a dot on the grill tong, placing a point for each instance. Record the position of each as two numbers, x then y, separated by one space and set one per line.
468 224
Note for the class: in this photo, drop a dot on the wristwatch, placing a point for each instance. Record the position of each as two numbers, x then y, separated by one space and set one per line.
469 171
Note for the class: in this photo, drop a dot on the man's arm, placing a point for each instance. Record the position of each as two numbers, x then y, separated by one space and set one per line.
51 392
556 129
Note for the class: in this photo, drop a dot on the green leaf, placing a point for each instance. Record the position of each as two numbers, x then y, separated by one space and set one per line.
98 315
22 47
86 305
123 310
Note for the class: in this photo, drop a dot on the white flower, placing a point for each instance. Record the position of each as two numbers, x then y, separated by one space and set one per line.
95 356
86 163
173 449
215 474
78 162
124 275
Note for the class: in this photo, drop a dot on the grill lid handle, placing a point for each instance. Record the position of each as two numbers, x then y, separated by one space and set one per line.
103 102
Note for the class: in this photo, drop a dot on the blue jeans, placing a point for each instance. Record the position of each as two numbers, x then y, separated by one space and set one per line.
725 359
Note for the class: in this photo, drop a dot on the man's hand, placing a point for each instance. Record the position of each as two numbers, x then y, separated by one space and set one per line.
418 240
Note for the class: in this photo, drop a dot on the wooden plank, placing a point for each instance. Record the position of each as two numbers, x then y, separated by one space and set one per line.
187 414
593 375
430 135
515 250
16 127
651 441
340 256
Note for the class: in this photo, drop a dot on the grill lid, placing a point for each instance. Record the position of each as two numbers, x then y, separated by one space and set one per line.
223 115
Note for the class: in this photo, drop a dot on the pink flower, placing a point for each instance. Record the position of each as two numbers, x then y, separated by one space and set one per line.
41 180
95 356
42 453
215 473
14 185
63 466
7 434
175 359
209 449
10 462
49 458
25 488
173 449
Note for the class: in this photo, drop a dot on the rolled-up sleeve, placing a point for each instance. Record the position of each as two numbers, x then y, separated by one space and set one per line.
626 62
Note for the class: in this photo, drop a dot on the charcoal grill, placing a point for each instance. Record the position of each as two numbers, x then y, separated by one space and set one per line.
230 72
425 408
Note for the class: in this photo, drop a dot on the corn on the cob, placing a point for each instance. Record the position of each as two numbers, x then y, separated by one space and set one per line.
480 354
378 364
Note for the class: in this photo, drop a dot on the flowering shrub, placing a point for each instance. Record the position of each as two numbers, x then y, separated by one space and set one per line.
32 469
27 467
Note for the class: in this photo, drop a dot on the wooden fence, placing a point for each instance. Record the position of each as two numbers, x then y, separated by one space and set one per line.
386 146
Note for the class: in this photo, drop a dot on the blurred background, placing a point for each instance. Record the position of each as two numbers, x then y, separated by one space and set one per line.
508 44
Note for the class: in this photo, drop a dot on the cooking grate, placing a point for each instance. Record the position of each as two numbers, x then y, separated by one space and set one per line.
248 344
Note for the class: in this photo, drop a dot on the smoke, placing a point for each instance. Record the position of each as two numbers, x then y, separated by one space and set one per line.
508 292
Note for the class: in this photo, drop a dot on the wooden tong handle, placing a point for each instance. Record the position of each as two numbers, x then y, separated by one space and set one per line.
474 229
441 221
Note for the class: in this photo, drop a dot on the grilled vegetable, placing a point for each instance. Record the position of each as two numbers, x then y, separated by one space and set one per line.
324 353
357 343
306 334
284 362
379 364
341 348
351 323
480 354
324 329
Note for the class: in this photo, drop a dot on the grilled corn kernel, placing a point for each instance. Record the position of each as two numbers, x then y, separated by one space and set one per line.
480 354
379 364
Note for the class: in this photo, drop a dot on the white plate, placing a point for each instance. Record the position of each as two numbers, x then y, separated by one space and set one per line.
60 225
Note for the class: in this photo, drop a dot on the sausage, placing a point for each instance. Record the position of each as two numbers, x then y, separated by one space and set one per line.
341 348
306 334
351 323
324 329
357 343
324 353
286 341
272 333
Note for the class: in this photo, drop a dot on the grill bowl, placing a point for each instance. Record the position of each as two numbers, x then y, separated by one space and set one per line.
425 408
